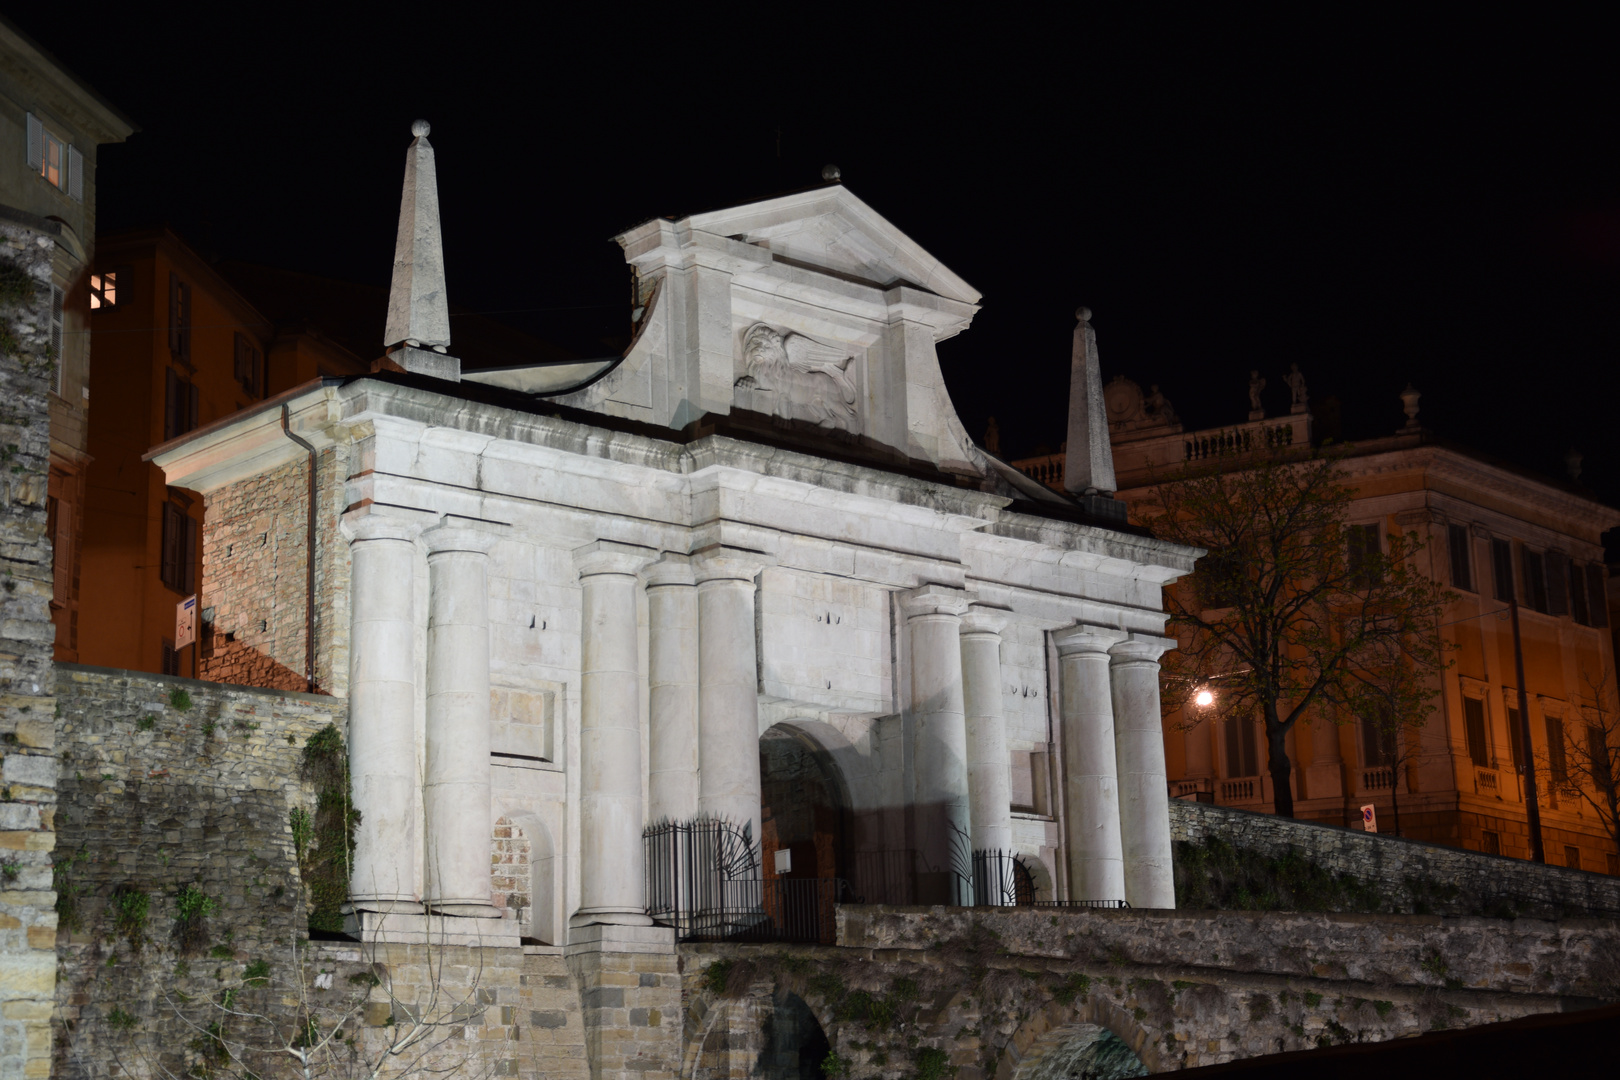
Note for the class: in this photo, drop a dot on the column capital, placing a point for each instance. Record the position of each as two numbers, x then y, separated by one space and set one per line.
612 557
717 562
457 534
363 525
986 622
672 569
1085 638
1140 648
934 599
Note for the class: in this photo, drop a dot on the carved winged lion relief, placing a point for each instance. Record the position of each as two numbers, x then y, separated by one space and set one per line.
806 379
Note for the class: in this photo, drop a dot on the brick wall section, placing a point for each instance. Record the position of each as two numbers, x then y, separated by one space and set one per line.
27 735
1482 880
157 793
255 560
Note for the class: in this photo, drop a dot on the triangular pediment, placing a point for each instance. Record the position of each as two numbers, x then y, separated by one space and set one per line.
830 228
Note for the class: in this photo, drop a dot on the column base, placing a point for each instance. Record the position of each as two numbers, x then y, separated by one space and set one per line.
608 917
384 904
401 928
468 911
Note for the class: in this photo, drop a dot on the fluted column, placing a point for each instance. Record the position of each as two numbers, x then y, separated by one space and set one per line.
1091 779
989 768
672 676
943 813
456 788
728 686
610 818
382 707
1144 799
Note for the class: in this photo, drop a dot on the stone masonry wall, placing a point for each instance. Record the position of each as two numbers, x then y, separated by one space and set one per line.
1484 882
980 993
168 783
27 734
255 584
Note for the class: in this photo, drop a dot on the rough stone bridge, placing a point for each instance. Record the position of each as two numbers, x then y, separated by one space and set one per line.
1034 993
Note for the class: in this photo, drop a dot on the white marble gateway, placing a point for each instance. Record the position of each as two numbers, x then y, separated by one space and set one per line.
583 593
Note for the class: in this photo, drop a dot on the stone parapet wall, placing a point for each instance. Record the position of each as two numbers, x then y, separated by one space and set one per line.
27 735
168 783
1483 882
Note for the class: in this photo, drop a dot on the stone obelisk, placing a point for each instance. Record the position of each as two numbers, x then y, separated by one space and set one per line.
1088 466
418 333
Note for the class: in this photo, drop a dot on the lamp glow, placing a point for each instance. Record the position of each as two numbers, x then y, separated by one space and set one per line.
1204 699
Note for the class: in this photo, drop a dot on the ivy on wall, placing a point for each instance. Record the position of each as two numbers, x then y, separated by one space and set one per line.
324 840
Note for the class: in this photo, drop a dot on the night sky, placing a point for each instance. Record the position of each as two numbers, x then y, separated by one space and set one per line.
1377 200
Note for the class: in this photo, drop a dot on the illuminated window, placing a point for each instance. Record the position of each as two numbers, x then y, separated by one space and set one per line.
55 159
103 290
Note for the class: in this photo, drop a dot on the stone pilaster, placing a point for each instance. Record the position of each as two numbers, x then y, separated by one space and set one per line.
456 789
940 799
610 822
382 705
728 685
672 678
1096 859
1144 798
630 994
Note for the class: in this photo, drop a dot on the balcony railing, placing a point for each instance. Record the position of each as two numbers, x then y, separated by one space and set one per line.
1197 790
1378 778
1240 789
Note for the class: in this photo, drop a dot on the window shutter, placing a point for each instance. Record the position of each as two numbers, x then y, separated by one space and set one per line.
1556 763
191 407
1462 576
174 313
171 404
1535 582
1502 568
1474 730
1515 740
75 184
36 144
1557 584
1594 595
170 563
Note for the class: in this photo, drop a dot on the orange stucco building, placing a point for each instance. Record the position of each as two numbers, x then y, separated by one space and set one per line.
1492 531
176 348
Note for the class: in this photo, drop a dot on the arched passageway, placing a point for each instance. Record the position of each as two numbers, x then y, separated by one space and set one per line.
804 810
1088 1052
794 1043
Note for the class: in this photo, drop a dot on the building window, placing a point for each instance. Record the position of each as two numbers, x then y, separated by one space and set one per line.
1502 569
1535 581
55 159
1598 760
249 363
179 405
1377 742
180 319
1242 753
179 564
103 290
171 658
1462 567
1490 843
1596 602
1364 546
1577 594
1557 568
1474 730
1572 856
1557 764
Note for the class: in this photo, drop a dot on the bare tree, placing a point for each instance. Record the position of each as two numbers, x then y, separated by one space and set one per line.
308 1019
1294 611
1589 766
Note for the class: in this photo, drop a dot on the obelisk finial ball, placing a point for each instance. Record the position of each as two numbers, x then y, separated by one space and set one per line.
420 128
1083 314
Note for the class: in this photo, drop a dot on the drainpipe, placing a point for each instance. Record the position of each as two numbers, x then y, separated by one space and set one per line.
309 560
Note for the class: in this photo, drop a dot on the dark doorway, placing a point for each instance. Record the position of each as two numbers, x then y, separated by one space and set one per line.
795 1046
802 807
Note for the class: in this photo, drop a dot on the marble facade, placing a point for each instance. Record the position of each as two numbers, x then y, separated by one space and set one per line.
581 594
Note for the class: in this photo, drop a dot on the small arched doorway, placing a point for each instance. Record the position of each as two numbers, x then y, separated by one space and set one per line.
1088 1052
804 810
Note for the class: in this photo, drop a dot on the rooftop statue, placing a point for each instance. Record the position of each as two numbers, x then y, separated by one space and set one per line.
1296 387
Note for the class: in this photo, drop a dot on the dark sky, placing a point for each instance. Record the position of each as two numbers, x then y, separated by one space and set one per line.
1378 200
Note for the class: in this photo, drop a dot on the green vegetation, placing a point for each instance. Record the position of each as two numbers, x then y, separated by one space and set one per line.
257 973
179 699
833 1066
1312 999
11 869
68 915
327 852
932 1063
130 906
1383 1008
1076 985
146 723
119 1020
192 908
716 974
1216 875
